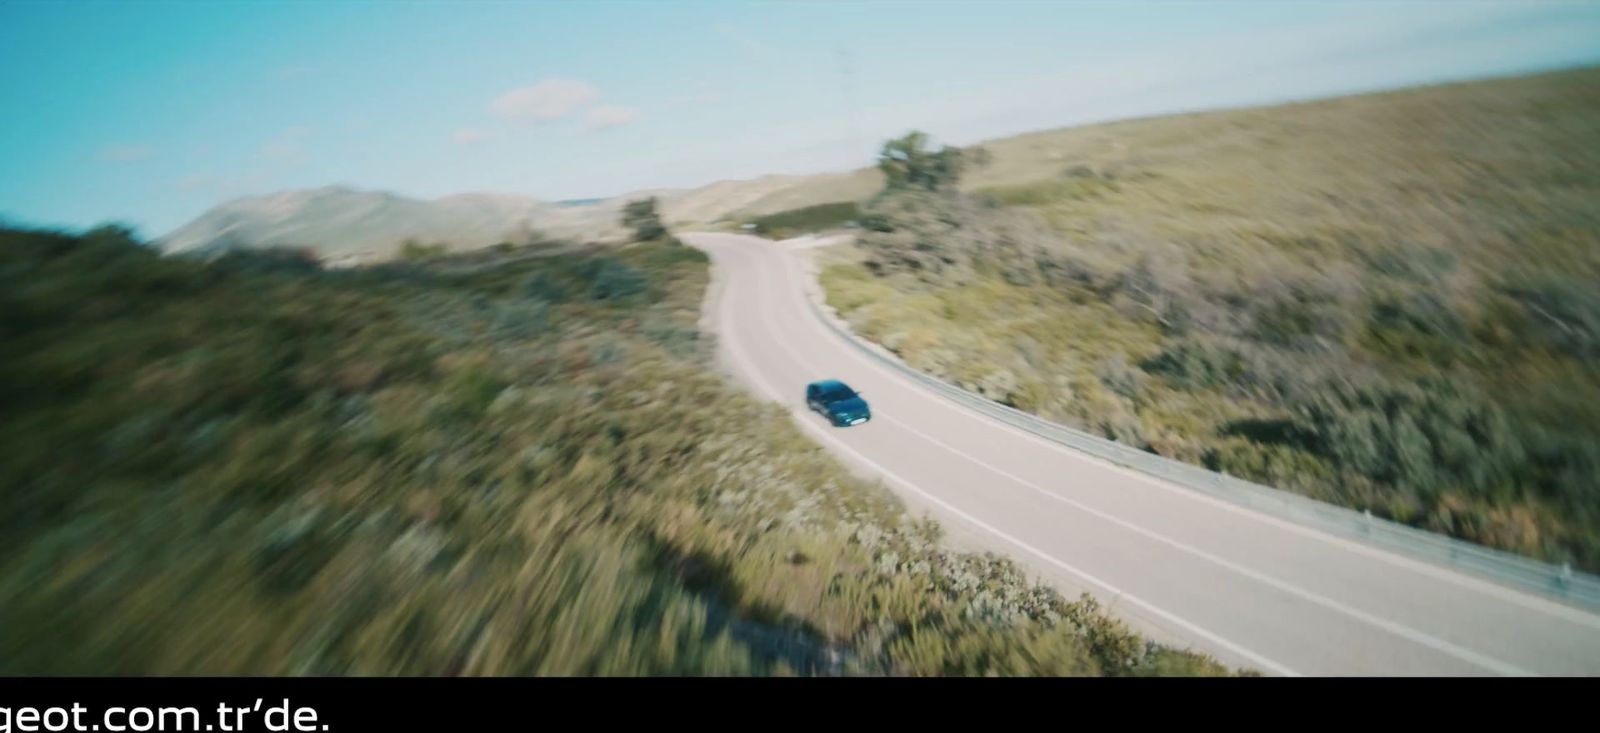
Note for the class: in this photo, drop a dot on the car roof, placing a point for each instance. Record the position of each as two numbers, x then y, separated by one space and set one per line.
829 384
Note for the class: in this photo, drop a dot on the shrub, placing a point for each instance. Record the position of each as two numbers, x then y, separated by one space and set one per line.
611 279
1414 264
641 216
785 224
295 260
1563 310
1416 325
1425 437
414 251
1277 276
520 321
1196 363
1298 317
949 238
347 473
542 286
907 164
1116 375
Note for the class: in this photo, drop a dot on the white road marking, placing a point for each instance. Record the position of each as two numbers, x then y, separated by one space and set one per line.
1392 627
1534 603
754 373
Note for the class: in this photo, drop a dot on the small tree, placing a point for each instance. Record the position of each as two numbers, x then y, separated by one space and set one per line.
906 163
641 216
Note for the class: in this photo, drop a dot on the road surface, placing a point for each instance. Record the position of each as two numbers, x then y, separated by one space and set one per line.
1184 568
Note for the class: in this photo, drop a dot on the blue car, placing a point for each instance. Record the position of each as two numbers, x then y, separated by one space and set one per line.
836 401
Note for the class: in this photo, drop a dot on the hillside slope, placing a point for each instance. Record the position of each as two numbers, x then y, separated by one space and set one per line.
341 222
503 463
353 225
1386 301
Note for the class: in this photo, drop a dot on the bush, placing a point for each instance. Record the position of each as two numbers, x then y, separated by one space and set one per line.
1274 278
542 286
785 224
610 279
521 321
414 251
1416 325
949 238
295 260
1425 437
1297 317
1116 375
1563 310
641 216
346 473
907 164
1196 363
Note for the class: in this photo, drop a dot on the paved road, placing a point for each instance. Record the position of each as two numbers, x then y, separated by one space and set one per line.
1187 569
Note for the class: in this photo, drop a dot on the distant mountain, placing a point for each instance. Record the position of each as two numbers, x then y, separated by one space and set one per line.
350 224
344 222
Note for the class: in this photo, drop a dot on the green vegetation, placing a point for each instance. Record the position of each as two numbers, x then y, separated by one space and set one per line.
907 165
807 220
507 462
413 251
642 217
1388 301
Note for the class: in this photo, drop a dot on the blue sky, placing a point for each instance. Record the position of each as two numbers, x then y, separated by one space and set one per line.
149 112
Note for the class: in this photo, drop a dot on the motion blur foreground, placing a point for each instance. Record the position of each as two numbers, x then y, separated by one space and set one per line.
335 430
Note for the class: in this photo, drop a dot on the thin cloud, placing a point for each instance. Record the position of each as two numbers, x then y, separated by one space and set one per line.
607 116
288 147
550 99
123 153
469 136
196 182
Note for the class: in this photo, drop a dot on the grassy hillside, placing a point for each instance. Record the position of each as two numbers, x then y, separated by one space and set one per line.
513 462
1388 301
815 190
807 220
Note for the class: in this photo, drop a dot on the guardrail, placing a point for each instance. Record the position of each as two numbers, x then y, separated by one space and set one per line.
1560 582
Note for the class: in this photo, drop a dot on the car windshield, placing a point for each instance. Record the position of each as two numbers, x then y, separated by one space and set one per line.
834 394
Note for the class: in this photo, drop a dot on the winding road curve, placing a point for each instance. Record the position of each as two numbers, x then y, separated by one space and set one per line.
1187 569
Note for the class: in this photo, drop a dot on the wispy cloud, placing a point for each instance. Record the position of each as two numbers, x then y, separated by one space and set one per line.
549 99
288 147
125 153
197 182
469 136
607 116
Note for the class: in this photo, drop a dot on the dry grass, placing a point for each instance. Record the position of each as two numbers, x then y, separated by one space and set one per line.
1437 236
508 463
